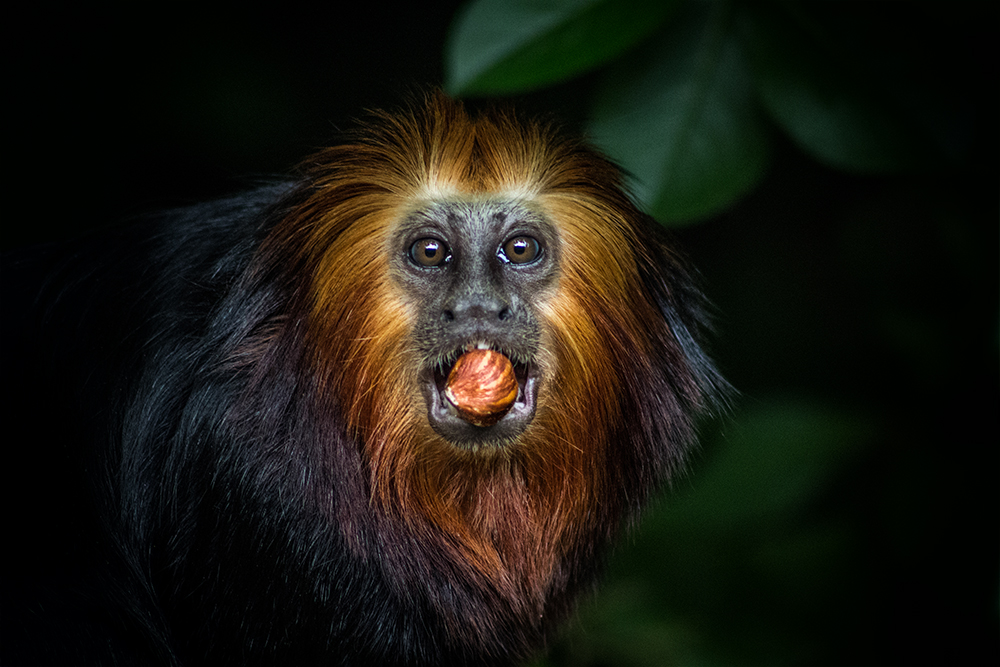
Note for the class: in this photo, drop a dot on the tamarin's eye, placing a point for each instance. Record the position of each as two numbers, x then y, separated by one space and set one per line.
521 250
430 252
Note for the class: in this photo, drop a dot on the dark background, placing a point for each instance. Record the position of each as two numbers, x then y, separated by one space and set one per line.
845 512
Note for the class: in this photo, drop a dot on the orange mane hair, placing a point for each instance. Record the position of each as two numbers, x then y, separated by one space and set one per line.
511 520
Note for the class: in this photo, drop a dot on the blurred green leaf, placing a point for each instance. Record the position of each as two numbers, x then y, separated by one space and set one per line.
628 627
505 46
681 117
821 87
777 458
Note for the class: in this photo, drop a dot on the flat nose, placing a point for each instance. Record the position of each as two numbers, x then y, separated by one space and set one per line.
477 309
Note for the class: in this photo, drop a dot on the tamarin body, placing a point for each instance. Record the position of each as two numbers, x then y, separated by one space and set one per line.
249 444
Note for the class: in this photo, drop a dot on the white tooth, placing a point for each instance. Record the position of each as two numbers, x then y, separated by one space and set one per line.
482 346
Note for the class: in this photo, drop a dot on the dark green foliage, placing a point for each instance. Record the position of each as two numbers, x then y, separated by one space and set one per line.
687 92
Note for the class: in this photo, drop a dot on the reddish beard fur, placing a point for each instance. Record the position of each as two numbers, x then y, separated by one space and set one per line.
513 529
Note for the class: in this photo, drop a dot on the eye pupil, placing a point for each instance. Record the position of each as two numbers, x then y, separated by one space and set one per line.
522 250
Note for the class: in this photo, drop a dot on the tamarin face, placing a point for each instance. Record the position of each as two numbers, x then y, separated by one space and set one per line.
473 273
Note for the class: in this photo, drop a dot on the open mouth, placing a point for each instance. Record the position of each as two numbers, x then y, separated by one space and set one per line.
472 410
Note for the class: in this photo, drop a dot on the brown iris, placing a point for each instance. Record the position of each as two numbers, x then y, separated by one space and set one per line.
522 250
429 252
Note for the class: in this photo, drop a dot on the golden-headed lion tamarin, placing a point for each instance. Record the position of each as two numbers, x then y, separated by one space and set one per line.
262 457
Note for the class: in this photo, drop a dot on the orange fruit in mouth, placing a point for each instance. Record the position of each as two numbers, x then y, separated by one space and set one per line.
482 386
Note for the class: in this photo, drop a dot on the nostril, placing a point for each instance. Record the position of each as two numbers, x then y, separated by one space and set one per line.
484 310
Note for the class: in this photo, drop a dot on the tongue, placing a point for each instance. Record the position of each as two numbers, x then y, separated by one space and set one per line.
481 386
